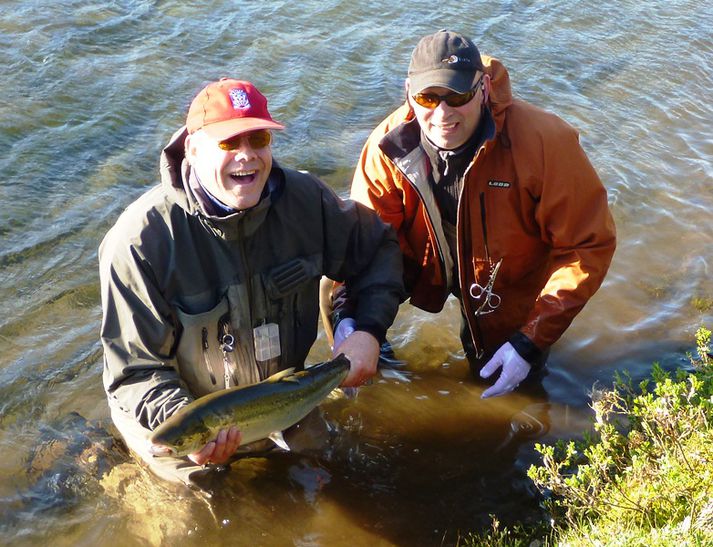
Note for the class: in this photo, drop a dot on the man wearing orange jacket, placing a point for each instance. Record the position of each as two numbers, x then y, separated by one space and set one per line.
494 201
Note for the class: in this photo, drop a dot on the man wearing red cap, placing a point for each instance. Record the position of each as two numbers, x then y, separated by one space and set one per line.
211 279
494 201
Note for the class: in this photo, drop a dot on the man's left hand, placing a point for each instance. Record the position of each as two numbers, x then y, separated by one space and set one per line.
362 350
220 450
515 370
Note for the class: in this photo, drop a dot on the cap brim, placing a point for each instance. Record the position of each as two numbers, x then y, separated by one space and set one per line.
456 80
221 131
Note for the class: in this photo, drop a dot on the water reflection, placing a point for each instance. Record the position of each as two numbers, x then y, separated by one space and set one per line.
415 457
408 462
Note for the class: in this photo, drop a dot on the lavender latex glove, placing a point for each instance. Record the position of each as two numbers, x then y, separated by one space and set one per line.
515 369
344 328
362 350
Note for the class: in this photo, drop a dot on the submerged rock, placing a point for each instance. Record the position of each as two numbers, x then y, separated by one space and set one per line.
64 466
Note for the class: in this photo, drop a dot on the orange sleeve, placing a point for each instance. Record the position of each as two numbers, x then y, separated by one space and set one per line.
576 223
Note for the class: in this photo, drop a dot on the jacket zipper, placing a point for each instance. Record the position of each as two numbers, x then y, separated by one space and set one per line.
485 226
439 249
479 342
250 349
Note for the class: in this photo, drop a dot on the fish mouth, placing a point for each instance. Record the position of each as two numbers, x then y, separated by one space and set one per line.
161 451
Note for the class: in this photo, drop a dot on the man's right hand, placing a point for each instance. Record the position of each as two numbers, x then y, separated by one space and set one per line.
220 450
362 350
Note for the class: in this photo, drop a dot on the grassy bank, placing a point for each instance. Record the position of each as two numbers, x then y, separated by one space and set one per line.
645 477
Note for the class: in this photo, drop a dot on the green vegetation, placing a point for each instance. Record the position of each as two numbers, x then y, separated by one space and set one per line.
645 477
702 304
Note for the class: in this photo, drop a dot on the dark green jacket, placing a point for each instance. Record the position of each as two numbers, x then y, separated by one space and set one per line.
183 291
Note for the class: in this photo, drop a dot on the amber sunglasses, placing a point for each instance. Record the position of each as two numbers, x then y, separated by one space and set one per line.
256 139
454 99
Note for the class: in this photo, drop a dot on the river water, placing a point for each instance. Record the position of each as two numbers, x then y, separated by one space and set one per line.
91 92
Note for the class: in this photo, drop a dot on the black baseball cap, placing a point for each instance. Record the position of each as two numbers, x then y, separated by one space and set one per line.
444 59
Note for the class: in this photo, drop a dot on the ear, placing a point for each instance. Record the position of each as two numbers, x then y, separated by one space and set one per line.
189 148
407 90
486 87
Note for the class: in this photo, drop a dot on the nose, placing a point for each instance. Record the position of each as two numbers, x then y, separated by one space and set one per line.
442 111
244 151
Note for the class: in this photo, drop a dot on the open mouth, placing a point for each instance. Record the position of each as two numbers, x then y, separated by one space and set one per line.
244 177
162 451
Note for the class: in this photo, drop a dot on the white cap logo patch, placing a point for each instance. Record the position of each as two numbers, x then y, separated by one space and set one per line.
240 99
454 59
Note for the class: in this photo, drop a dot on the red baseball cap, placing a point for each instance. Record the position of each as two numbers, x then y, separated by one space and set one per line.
227 108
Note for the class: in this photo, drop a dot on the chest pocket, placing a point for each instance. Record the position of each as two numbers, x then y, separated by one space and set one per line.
291 300
208 352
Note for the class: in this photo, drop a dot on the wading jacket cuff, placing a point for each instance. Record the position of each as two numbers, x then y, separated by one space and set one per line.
527 349
338 315
342 306
376 331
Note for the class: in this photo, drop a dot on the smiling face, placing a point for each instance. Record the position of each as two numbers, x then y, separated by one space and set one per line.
236 177
449 127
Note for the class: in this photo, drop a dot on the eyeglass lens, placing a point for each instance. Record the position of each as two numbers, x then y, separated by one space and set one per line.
454 99
256 139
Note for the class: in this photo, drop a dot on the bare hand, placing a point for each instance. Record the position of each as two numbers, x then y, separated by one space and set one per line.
362 350
220 450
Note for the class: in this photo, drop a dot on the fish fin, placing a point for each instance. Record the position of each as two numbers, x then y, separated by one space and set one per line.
280 375
287 375
277 438
294 377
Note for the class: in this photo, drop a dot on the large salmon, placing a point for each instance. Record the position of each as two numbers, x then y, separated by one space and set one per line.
259 410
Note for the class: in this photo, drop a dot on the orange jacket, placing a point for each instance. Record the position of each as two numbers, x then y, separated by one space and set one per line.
530 197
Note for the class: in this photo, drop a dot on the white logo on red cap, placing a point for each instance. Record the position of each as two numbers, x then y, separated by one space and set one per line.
239 98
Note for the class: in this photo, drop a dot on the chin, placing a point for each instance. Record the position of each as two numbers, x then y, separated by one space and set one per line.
241 204
447 142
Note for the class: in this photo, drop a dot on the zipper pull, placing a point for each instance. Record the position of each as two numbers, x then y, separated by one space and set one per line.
227 345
